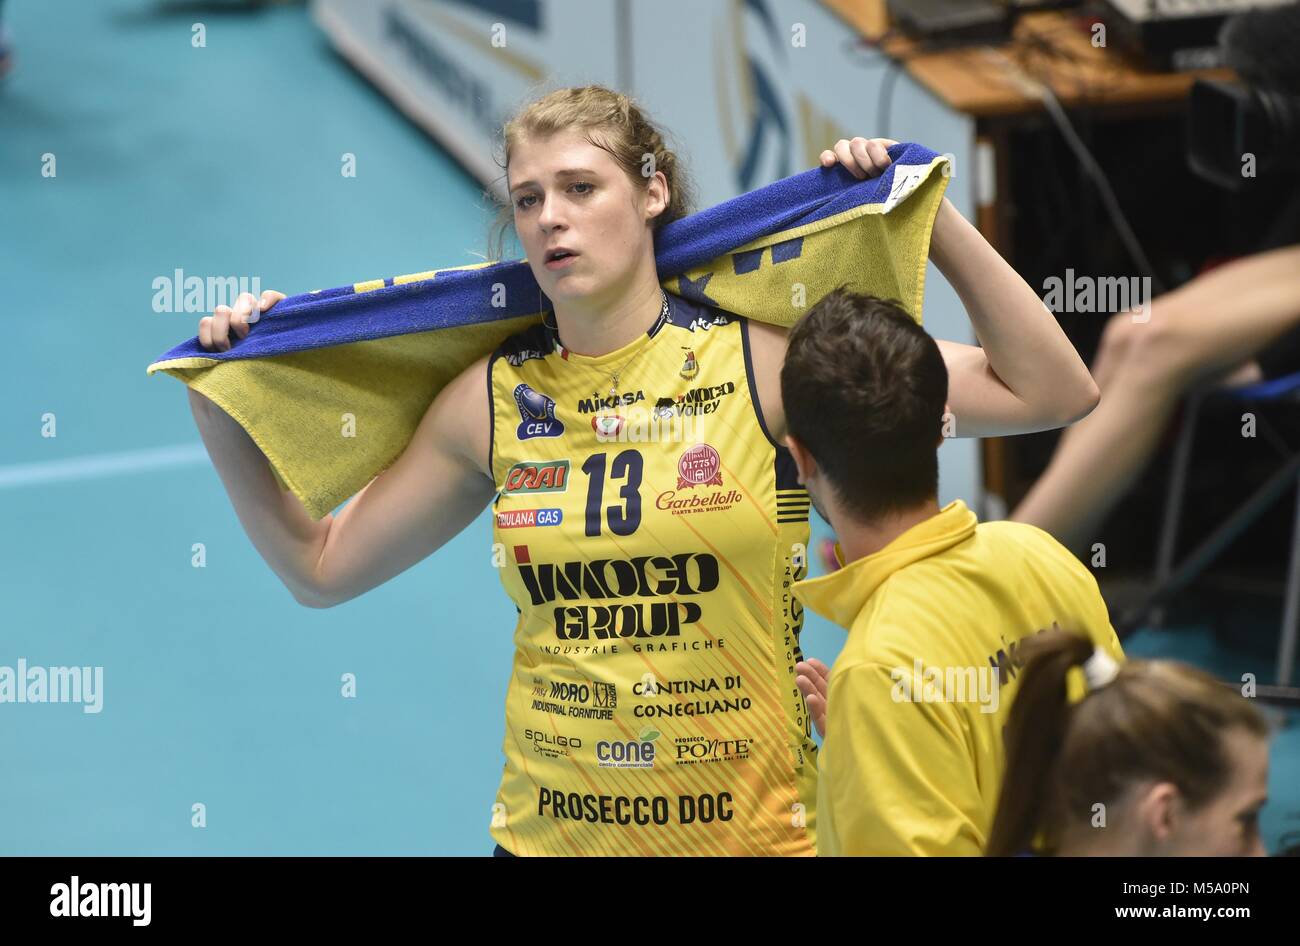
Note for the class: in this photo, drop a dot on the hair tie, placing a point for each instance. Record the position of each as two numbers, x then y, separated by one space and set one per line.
1100 669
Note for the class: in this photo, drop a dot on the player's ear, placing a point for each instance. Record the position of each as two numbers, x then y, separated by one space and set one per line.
803 460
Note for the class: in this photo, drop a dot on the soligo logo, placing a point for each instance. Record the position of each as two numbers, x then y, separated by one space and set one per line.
537 476
636 753
552 745
536 414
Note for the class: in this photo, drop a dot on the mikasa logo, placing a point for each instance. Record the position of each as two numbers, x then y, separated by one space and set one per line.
76 899
597 402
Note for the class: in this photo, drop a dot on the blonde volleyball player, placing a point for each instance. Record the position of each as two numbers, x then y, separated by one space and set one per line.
653 706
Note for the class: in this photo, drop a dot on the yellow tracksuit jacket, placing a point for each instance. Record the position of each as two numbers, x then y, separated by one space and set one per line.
913 756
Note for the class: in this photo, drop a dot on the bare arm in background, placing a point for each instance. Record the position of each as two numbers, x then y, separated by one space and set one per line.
439 484
1199 333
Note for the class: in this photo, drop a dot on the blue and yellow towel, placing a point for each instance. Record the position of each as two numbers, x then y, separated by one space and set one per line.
366 360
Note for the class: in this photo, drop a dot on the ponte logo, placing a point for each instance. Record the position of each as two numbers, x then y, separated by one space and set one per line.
537 476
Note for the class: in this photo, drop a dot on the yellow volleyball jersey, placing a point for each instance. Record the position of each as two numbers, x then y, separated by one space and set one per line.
649 541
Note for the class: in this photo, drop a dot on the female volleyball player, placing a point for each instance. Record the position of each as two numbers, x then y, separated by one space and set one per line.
1158 759
653 706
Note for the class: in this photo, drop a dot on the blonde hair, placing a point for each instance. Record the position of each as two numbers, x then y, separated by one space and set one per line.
612 122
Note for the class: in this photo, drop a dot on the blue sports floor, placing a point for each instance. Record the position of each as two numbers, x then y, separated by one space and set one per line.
218 688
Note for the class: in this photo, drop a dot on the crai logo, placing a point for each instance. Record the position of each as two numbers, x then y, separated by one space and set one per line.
537 476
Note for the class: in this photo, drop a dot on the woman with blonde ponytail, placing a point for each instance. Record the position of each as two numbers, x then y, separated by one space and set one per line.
1158 759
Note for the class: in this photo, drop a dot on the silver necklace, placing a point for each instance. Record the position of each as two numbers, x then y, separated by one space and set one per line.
663 317
613 378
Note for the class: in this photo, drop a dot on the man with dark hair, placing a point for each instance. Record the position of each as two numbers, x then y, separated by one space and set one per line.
934 601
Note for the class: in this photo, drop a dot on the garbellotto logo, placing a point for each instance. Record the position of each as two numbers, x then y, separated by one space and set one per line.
709 502
699 466
537 476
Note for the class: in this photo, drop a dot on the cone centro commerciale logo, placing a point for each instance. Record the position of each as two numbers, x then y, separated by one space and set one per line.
636 753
